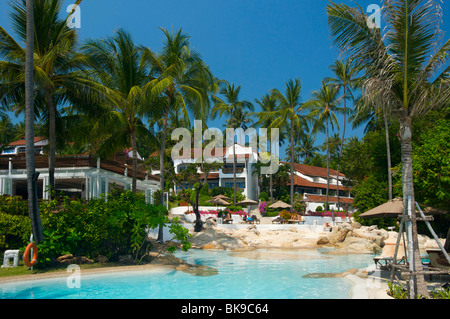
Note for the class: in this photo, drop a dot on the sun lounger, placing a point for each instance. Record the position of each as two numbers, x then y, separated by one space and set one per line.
437 259
387 255
277 220
327 227
227 219
295 218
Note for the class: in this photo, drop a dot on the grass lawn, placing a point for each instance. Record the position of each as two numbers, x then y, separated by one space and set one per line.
22 270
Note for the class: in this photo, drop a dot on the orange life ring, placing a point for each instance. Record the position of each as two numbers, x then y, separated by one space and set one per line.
26 259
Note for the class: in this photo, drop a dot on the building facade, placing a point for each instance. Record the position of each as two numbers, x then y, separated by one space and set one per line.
246 179
83 176
311 181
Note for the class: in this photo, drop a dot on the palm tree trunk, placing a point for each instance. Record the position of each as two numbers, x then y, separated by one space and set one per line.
342 145
161 170
417 282
51 139
234 160
135 162
328 172
32 176
292 166
271 173
388 152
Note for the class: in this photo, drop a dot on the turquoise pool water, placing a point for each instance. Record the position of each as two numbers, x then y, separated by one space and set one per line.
261 274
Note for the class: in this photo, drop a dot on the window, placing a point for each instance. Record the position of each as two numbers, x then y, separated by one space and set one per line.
238 185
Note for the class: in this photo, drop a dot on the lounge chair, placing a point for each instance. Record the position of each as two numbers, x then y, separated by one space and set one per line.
227 219
387 255
437 259
296 218
255 220
327 227
277 220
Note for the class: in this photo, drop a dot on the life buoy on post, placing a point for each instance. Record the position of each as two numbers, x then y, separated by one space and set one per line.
26 258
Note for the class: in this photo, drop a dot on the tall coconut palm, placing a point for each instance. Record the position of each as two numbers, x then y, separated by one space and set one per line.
266 116
231 106
366 112
403 67
33 207
306 148
288 115
345 77
55 63
182 81
324 107
117 64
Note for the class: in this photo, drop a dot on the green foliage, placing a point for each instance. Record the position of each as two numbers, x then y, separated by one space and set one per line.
263 196
110 228
181 235
319 208
285 214
431 163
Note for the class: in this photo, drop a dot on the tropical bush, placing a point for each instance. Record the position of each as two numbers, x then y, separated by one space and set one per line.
110 228
262 208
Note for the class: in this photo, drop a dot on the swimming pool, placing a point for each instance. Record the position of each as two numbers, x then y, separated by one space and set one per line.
259 274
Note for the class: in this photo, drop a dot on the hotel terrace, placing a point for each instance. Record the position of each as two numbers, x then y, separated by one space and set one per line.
82 175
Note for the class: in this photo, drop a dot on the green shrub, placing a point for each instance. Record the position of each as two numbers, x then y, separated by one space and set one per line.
319 209
264 197
110 228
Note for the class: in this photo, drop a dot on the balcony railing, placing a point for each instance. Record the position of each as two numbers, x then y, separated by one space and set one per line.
229 170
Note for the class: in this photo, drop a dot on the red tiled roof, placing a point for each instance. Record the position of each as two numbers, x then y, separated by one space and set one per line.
300 181
22 141
331 199
313 170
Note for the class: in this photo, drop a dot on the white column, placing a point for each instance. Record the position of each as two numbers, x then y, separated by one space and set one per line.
86 188
44 188
106 187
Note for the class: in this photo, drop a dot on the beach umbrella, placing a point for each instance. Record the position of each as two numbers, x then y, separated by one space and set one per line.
222 197
280 204
394 208
247 202
219 201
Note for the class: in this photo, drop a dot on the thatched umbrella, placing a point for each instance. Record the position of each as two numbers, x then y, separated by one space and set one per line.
219 201
247 202
222 197
280 204
394 208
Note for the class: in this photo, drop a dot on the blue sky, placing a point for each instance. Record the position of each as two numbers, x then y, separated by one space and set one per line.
258 44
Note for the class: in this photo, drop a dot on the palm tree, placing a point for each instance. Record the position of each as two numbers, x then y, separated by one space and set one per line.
370 112
55 64
6 131
123 76
266 116
231 106
324 109
306 148
288 115
33 206
346 78
403 69
182 82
